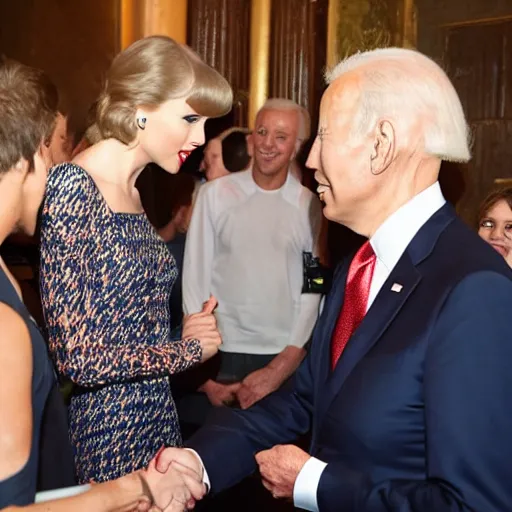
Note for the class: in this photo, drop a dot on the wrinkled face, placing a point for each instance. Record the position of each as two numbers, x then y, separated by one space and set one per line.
213 165
340 156
173 130
274 141
60 144
496 229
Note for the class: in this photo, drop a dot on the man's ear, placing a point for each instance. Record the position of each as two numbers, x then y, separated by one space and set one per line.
383 147
22 166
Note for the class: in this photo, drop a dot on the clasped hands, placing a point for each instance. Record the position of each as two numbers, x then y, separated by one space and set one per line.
175 480
256 386
175 476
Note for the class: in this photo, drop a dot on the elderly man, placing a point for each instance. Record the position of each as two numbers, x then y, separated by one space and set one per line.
407 384
245 246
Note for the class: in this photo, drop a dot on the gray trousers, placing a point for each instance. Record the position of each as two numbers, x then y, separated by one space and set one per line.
194 406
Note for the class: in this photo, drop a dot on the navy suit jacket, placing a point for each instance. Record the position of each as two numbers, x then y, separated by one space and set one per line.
417 415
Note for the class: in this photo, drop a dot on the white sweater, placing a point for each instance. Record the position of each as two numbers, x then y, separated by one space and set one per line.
244 246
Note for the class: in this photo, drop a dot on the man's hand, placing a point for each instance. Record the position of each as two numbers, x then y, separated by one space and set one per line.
258 385
175 478
220 394
279 468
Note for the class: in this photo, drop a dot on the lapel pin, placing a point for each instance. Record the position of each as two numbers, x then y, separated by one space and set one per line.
396 288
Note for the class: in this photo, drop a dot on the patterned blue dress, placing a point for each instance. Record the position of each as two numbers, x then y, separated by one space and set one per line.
105 284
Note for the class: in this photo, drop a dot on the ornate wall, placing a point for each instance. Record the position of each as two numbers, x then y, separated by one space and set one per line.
74 41
471 40
219 30
358 25
298 51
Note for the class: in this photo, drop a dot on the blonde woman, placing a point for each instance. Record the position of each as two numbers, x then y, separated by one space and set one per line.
30 408
105 273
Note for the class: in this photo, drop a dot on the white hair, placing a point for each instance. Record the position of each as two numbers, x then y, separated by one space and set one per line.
304 130
411 88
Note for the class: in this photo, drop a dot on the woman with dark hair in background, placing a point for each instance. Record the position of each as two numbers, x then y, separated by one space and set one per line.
495 222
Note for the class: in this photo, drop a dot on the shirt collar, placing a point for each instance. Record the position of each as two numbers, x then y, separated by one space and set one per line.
396 233
289 191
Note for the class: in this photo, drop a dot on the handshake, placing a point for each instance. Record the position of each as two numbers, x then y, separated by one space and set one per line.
173 481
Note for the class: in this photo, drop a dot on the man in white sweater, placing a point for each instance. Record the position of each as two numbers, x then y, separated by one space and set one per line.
245 246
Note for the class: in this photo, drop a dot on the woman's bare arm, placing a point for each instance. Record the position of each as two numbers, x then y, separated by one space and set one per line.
123 495
16 392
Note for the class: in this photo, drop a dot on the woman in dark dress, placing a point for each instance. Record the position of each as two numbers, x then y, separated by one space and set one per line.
29 403
106 275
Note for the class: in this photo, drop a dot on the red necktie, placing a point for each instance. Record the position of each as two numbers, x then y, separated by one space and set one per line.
357 291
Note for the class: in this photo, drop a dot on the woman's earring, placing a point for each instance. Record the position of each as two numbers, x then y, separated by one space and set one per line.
141 122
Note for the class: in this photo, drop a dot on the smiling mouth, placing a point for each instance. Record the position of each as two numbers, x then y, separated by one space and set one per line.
268 156
321 189
182 156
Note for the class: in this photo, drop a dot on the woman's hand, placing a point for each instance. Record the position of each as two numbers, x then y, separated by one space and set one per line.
203 327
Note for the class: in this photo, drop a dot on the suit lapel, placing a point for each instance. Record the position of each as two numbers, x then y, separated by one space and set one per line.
333 308
387 305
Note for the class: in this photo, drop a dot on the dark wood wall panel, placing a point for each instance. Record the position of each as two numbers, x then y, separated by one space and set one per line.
290 74
434 14
297 51
477 59
475 62
492 154
457 36
74 41
219 30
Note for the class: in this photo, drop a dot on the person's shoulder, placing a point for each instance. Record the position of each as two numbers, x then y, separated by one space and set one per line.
65 172
240 175
465 267
239 178
68 180
227 185
471 254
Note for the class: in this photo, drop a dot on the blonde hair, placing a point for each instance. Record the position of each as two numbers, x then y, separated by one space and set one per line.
148 73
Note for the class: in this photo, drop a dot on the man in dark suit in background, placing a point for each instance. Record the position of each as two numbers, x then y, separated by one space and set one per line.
407 387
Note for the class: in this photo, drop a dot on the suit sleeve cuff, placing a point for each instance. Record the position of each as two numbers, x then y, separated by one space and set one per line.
206 480
306 485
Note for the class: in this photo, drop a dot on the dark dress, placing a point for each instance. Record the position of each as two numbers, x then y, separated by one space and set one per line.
105 284
48 418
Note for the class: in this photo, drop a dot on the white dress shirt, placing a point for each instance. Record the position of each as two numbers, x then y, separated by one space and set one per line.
389 243
244 246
